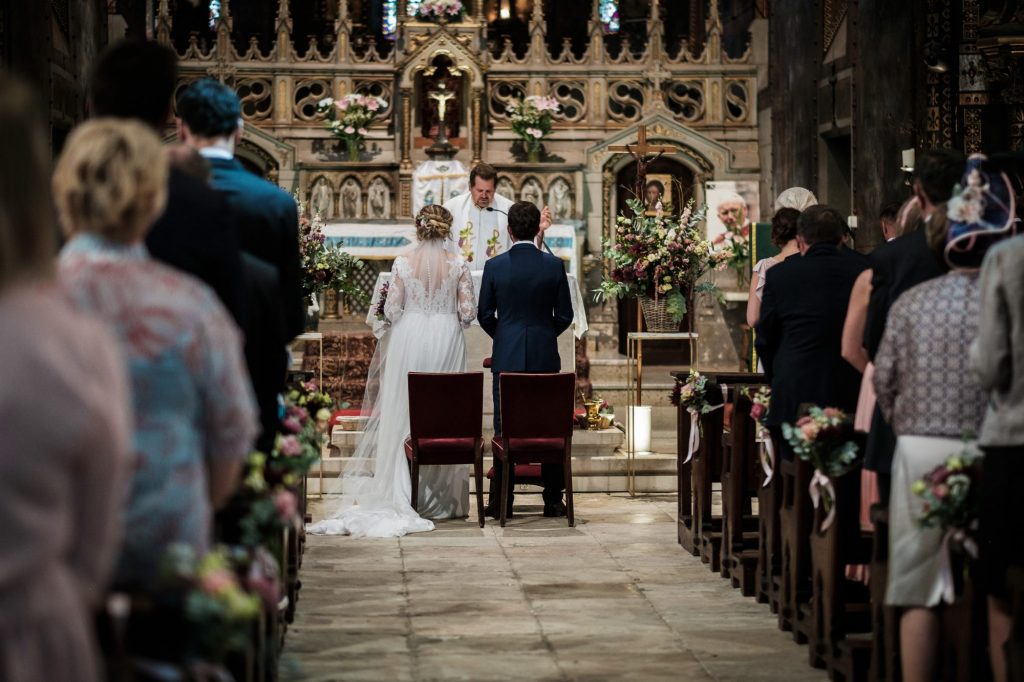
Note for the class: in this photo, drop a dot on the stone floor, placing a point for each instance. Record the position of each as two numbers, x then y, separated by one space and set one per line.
614 598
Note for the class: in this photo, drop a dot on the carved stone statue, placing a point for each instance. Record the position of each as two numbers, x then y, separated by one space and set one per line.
321 199
559 200
430 106
506 189
378 199
351 199
533 193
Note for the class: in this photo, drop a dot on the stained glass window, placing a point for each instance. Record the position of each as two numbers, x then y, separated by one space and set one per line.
413 6
214 13
390 18
609 13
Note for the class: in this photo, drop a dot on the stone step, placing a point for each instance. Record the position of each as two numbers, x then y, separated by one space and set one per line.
602 473
653 393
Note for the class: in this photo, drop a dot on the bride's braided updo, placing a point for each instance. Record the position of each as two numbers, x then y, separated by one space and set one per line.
433 222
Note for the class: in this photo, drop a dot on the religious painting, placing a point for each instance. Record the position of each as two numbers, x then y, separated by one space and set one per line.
658 193
732 205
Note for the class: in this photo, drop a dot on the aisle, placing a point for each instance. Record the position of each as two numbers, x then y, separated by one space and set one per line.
615 598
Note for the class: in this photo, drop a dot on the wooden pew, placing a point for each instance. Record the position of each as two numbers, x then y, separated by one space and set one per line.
885 633
706 470
840 607
685 530
769 547
794 544
739 486
1015 644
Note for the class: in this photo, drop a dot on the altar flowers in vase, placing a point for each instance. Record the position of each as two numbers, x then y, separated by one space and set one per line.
660 260
531 120
440 10
325 266
348 118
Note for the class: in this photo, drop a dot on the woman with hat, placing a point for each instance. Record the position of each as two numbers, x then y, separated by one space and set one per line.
927 391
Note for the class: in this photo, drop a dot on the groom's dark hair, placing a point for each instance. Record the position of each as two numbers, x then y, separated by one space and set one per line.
524 221
209 108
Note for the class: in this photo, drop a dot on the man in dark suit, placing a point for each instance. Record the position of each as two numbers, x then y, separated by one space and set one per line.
210 121
898 265
799 336
524 305
196 233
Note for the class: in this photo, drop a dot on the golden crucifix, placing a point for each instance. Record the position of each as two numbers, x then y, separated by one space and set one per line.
640 151
441 96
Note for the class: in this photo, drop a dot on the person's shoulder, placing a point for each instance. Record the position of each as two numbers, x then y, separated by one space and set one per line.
503 202
456 201
1007 251
552 261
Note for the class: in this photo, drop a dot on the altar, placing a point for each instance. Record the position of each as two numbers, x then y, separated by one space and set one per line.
478 343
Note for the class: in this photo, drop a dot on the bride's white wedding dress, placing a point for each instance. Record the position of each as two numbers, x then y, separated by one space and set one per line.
429 303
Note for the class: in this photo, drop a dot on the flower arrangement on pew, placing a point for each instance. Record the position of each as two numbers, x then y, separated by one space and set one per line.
951 504
531 119
347 118
659 259
760 402
691 395
217 608
822 437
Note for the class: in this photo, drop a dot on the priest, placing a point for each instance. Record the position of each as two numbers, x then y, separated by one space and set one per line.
481 218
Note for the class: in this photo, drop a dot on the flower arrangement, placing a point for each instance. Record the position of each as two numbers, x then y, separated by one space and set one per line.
660 256
531 120
760 402
216 606
348 117
691 394
950 494
733 246
822 437
439 10
761 399
382 299
325 266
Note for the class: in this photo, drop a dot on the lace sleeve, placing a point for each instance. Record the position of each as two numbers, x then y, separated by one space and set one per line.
466 297
394 304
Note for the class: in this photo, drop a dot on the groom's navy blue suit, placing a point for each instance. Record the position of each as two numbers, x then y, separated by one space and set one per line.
524 305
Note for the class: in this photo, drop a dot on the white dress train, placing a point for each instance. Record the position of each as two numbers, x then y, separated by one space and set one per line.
429 303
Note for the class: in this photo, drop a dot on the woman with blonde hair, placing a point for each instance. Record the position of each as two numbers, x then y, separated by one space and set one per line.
195 416
429 301
66 444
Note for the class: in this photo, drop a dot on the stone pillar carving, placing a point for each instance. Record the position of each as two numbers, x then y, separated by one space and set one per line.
406 164
164 23
478 125
282 100
283 47
479 11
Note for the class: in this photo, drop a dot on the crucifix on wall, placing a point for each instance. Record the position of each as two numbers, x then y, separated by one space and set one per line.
642 152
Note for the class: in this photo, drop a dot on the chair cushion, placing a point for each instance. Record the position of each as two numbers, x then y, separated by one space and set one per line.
531 449
525 473
444 450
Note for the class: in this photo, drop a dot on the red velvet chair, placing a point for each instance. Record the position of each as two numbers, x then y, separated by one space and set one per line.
536 420
445 426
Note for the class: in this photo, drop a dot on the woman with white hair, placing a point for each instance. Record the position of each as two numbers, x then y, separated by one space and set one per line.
195 415
65 416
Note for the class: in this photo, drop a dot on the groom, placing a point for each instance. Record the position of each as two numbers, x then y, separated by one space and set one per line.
524 305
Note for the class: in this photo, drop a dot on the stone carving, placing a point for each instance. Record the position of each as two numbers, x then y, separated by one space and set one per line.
378 199
559 200
533 193
505 189
321 198
351 199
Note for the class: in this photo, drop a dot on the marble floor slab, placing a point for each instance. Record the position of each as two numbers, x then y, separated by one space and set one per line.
613 599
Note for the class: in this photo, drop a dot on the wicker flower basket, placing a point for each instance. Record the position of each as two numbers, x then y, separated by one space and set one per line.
656 315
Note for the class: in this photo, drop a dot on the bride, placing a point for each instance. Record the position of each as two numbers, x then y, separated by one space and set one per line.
429 302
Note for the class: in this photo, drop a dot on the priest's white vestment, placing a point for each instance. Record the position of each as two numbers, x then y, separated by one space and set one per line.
480 234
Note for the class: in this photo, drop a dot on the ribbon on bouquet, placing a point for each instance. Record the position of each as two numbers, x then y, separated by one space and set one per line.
821 487
767 456
695 431
946 564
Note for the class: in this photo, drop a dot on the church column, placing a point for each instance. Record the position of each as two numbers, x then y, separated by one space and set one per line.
478 125
283 48
342 29
406 164
282 100
164 23
479 10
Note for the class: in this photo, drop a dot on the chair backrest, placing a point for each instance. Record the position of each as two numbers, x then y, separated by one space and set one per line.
446 405
537 405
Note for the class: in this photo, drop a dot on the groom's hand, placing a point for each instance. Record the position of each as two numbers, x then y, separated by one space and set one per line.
545 220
